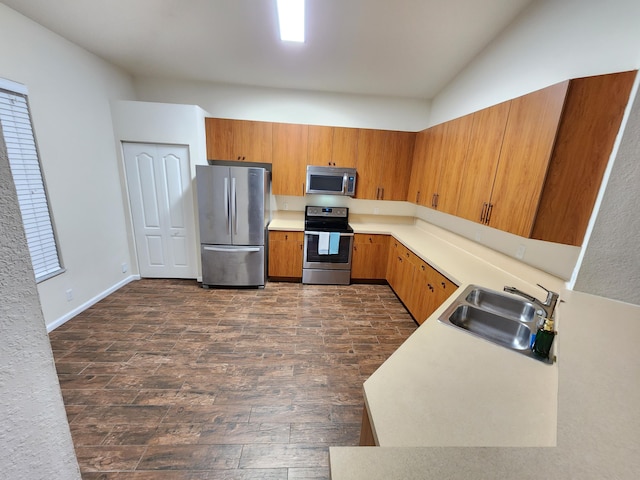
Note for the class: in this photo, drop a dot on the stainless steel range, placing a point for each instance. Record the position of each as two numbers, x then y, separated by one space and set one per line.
328 242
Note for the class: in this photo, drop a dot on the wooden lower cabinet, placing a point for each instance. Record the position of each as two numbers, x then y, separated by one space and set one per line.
399 270
368 257
419 286
431 289
285 254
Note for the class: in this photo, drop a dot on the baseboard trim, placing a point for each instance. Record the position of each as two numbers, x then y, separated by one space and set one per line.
65 318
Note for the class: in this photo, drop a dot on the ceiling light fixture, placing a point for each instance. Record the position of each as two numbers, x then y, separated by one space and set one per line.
291 18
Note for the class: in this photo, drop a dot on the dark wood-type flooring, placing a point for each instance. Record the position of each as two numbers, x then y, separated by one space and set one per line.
166 380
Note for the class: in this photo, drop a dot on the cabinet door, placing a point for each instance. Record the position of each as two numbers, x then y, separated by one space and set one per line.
369 258
371 151
345 147
396 165
590 123
526 149
285 254
289 159
481 164
454 151
416 192
320 146
394 263
443 288
434 161
384 164
219 137
422 295
252 141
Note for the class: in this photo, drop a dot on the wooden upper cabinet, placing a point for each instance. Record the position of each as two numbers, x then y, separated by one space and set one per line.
320 145
433 163
239 140
482 161
454 152
253 141
219 134
526 149
290 147
416 193
333 146
345 147
384 164
396 170
590 122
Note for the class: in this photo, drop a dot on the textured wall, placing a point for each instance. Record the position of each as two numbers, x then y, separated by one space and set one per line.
35 442
611 264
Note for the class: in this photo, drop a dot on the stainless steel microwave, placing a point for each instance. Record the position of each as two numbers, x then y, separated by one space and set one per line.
331 180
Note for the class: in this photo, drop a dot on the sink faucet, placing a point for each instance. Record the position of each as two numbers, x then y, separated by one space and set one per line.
549 305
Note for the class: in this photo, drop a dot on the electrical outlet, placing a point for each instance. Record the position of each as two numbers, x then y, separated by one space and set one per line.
520 252
478 236
286 206
125 267
69 294
376 211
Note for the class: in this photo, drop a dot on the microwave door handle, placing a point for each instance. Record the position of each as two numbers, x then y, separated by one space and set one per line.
344 183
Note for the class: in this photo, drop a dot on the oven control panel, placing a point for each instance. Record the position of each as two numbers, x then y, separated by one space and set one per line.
336 212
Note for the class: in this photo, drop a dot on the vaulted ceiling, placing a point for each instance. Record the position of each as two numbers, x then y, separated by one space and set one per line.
403 48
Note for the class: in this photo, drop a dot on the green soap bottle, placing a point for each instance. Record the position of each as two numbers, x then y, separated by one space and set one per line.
544 339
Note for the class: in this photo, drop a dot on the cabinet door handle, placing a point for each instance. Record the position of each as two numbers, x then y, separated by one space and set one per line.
444 285
418 197
489 210
483 214
381 193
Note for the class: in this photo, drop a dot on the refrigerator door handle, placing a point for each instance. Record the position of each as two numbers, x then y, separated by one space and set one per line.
226 204
234 206
232 249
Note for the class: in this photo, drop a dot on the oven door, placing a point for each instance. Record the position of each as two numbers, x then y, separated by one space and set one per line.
339 261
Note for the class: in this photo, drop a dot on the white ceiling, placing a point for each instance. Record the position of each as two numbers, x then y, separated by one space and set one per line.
405 48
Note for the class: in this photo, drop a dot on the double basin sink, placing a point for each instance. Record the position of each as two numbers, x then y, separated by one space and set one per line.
501 318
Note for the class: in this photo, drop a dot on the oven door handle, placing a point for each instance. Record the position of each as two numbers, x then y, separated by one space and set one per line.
318 233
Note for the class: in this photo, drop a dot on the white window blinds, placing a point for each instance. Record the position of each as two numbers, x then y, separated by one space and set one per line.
27 177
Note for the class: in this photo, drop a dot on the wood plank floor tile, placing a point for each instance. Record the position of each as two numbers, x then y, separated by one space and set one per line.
165 380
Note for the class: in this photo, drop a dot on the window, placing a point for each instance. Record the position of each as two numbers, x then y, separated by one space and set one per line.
27 177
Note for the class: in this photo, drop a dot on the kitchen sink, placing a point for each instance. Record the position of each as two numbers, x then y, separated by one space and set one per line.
500 318
503 304
495 328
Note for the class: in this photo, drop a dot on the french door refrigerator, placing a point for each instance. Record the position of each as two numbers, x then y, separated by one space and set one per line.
233 213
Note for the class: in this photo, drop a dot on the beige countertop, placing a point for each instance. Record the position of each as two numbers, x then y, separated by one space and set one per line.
448 405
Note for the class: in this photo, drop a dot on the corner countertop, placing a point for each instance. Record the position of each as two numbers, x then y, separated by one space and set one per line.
448 405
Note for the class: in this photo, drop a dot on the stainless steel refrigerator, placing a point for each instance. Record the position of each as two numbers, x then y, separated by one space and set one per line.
233 213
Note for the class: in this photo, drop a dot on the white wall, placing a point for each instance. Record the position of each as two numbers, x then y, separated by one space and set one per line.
69 94
289 106
549 42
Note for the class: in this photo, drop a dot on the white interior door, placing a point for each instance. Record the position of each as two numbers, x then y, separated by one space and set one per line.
158 180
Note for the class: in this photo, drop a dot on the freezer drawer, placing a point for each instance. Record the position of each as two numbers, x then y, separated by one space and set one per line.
231 266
